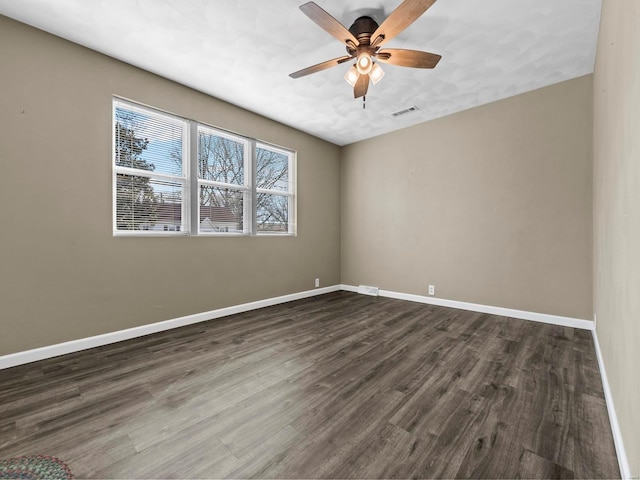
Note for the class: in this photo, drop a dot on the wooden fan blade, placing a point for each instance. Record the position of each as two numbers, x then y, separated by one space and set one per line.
403 16
361 86
319 67
408 58
328 23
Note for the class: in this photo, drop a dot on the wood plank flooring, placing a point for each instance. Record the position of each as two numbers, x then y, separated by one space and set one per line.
336 386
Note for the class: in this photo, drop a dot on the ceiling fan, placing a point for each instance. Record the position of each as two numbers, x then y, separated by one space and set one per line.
364 40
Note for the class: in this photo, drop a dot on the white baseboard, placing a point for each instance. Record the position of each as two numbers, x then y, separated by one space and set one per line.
476 307
349 288
50 351
625 471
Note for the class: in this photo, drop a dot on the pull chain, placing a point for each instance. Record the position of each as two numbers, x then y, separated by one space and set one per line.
364 99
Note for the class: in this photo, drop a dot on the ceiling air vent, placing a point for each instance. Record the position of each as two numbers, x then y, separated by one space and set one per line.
404 111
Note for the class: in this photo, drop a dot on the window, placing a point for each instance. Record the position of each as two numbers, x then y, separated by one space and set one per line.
274 199
225 184
150 174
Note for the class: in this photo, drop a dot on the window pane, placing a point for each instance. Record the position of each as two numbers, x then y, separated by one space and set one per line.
272 213
220 159
221 209
272 170
148 141
147 204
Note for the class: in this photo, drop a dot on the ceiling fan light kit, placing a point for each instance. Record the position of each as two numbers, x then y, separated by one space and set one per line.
363 41
374 71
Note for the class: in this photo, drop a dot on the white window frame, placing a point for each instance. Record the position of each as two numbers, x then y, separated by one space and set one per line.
183 179
246 188
190 181
290 193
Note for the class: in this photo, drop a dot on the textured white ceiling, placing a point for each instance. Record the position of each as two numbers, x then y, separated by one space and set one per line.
243 50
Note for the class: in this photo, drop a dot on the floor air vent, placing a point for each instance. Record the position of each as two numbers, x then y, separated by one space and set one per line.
405 111
366 290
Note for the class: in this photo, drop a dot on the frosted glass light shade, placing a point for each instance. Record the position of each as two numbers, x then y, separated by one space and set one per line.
364 63
352 76
376 73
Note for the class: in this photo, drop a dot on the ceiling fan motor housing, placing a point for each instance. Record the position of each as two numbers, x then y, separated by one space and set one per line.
362 29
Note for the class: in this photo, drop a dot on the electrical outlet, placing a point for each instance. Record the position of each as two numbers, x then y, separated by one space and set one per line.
317 282
432 289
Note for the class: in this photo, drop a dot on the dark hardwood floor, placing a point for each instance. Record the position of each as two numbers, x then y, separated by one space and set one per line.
336 386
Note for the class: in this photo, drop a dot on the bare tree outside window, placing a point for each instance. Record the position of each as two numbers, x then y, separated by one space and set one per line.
272 173
224 161
221 160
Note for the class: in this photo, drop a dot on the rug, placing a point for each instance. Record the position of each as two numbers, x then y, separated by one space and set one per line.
34 467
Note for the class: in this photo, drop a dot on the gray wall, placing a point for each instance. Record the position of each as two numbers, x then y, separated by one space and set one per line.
617 211
63 275
491 205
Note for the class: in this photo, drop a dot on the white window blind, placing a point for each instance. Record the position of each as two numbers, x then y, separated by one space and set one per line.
150 171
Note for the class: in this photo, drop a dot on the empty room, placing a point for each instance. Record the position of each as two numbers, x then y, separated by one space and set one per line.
325 240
